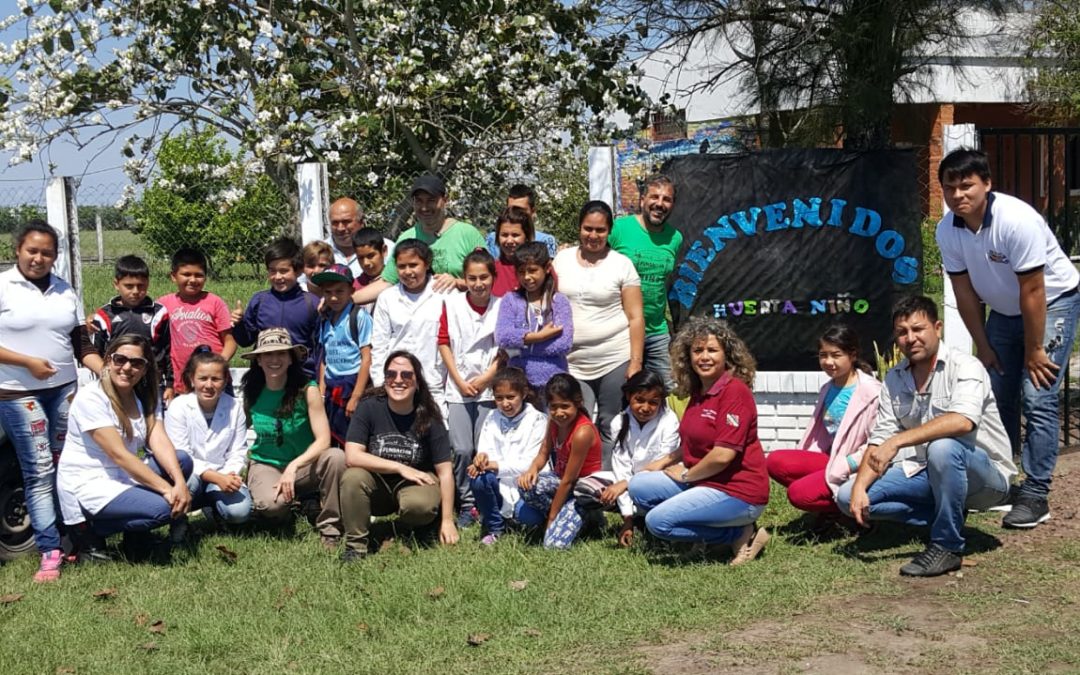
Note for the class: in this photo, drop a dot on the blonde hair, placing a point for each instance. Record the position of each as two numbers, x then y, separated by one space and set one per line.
315 250
146 389
737 357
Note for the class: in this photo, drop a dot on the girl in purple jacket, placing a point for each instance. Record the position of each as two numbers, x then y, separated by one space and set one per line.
832 447
535 325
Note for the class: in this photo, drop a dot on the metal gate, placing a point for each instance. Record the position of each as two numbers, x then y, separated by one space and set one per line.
1042 167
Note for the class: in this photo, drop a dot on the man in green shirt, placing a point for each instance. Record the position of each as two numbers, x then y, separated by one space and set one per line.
450 240
652 244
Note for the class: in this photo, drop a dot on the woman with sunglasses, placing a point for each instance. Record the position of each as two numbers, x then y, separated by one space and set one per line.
42 336
291 455
103 485
399 459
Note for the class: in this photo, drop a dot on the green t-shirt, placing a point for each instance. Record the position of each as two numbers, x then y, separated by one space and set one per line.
448 249
653 255
280 441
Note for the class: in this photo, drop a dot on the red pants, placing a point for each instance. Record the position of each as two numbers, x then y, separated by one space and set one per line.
803 474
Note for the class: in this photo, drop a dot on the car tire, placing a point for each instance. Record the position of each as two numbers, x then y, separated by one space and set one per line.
16 535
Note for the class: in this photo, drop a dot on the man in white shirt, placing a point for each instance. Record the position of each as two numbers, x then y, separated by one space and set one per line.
999 251
938 447
346 217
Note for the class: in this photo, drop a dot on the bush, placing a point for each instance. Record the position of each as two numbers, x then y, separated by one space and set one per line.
204 198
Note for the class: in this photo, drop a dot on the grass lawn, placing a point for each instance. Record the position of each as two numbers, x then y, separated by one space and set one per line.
285 605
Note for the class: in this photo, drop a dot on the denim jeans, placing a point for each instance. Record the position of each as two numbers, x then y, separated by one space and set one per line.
658 357
1013 388
535 505
489 501
138 508
681 512
232 507
37 424
957 477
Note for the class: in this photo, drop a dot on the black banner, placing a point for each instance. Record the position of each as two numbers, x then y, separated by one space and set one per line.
782 243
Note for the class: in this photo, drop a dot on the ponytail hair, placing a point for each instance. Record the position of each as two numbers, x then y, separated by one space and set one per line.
202 355
847 339
642 380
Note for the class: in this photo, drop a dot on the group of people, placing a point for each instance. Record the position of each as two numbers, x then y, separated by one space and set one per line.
449 380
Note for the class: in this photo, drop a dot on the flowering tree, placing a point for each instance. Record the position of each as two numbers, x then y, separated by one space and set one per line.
388 88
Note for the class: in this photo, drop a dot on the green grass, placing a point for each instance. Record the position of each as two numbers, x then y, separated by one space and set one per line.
287 605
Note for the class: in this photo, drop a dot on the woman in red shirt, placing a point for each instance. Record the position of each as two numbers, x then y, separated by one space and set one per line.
715 486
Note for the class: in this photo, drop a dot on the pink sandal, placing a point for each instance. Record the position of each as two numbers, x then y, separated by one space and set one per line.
50 567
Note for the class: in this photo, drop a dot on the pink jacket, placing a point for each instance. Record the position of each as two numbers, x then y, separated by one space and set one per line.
851 436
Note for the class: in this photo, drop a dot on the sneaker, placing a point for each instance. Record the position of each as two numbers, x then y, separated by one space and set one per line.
932 562
1010 499
178 531
467 517
50 567
1027 512
490 538
352 555
749 545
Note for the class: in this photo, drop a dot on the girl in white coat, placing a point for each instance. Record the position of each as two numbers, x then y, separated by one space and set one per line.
468 350
208 424
509 441
645 432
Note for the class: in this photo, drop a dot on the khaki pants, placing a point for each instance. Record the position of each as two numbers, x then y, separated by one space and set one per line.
324 475
364 494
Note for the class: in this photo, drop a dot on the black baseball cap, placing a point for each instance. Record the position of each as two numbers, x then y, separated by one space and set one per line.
429 183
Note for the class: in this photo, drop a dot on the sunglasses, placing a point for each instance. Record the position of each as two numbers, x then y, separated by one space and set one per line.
136 362
279 433
405 375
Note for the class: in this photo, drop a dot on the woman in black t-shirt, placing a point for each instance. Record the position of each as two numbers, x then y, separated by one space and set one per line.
399 460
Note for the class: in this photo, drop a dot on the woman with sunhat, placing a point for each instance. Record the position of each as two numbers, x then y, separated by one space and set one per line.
291 454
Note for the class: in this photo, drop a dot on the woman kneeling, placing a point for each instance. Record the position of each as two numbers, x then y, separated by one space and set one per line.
715 485
103 485
399 458
291 454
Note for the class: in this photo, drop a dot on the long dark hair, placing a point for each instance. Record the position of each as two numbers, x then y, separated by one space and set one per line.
427 411
565 386
254 381
845 337
642 380
146 389
536 253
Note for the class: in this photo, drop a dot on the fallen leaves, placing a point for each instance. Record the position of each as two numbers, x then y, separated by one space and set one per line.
105 594
363 628
533 632
477 639
286 593
141 618
518 585
158 627
148 646
227 554
10 598
436 592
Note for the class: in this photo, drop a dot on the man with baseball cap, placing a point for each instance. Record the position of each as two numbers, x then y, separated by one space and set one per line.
450 240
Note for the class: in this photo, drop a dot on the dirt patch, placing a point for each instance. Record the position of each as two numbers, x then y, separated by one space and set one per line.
909 625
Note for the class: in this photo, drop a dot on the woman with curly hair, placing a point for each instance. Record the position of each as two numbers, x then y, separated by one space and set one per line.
714 487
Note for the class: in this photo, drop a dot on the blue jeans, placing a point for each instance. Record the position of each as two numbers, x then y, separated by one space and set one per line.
681 512
1013 388
138 508
37 424
485 490
535 505
658 357
232 507
957 476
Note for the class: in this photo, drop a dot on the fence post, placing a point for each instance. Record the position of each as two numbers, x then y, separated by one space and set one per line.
314 200
100 237
954 137
63 214
602 174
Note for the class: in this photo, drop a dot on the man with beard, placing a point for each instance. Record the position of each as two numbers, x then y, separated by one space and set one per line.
652 244
938 447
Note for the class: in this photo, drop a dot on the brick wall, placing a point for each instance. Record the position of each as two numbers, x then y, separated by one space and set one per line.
785 403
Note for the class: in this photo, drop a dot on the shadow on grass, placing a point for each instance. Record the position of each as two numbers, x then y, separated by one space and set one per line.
892 541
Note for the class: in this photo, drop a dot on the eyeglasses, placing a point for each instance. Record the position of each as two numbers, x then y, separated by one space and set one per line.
405 375
136 362
279 433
